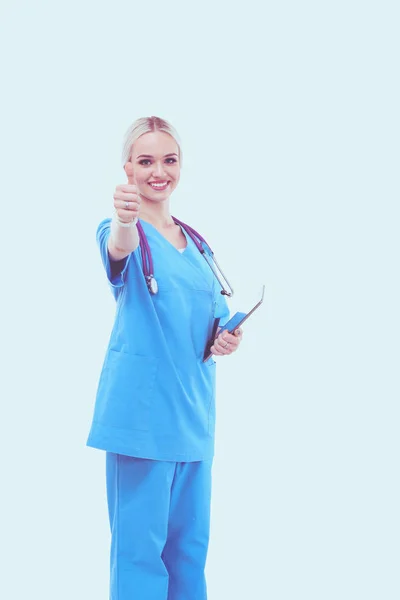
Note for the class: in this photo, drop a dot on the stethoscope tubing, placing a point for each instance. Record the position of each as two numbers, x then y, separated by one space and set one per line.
147 259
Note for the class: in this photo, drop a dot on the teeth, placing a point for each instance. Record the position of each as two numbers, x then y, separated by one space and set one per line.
160 185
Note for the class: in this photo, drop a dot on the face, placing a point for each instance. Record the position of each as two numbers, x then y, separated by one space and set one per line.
156 166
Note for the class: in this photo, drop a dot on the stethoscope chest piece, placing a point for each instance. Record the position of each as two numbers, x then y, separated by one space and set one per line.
152 284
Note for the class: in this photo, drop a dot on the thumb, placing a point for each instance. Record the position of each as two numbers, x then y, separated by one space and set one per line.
129 172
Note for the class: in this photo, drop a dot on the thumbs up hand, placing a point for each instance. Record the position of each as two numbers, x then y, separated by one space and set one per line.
126 198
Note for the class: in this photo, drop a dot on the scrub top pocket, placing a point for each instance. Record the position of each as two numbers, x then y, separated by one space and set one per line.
125 390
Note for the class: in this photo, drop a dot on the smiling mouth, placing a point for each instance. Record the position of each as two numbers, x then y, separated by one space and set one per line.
159 185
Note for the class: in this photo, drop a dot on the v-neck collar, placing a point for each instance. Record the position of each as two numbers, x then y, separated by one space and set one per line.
180 251
190 256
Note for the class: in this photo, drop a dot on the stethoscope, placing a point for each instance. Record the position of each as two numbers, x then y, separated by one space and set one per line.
147 260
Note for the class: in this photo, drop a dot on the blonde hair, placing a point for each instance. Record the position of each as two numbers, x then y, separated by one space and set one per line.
147 125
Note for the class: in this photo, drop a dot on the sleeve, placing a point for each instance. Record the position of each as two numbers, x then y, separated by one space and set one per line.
115 270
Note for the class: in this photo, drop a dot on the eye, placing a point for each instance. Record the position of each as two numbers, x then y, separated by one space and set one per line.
171 160
145 162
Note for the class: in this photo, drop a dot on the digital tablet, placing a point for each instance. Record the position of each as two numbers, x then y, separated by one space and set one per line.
234 323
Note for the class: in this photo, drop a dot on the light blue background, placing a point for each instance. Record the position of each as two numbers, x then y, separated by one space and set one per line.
289 118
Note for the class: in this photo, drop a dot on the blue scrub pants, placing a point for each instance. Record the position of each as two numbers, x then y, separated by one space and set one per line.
160 520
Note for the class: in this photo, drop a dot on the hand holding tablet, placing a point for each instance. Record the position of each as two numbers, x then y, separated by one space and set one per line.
234 323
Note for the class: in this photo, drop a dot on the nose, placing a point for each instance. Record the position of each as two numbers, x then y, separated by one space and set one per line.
158 169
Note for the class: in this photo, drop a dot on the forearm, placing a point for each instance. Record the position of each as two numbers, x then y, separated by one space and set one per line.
122 240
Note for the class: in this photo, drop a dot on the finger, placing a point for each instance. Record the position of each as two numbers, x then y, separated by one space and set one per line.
124 197
132 207
231 346
228 342
126 187
221 346
120 197
233 340
235 337
215 351
129 172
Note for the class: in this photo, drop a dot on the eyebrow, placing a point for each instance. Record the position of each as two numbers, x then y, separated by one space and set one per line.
151 156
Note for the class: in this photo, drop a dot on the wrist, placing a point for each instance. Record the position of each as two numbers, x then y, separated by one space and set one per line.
120 223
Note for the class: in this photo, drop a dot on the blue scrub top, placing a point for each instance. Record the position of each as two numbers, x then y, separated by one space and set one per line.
156 397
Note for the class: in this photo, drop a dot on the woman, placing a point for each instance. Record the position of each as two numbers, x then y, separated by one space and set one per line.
155 407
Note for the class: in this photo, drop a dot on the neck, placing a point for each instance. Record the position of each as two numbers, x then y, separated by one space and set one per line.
156 213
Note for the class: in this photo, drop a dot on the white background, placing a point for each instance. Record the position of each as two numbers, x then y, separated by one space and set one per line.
288 113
